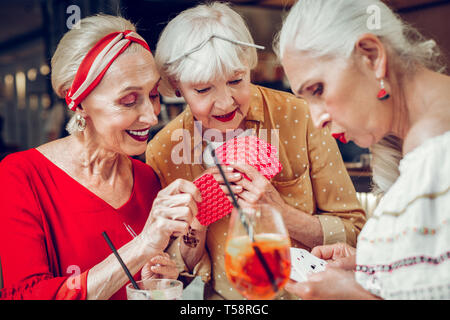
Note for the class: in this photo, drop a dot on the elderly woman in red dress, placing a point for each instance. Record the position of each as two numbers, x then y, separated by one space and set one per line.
58 198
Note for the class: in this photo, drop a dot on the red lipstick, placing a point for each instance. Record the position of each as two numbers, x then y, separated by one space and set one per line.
340 137
139 135
226 117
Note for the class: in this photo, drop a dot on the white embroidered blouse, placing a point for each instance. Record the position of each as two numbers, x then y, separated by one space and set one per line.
403 251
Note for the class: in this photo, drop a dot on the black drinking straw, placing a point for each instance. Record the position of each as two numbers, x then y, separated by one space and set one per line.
108 240
242 217
247 226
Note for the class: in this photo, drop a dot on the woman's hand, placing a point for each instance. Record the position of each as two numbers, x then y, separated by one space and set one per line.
338 279
302 226
160 267
232 177
258 189
172 212
331 284
338 255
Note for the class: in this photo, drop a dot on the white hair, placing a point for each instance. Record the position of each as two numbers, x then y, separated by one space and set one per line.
217 58
386 156
331 28
73 47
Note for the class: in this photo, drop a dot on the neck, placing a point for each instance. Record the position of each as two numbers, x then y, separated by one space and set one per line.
418 95
93 160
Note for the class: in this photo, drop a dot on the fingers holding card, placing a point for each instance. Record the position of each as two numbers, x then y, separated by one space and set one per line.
253 151
250 150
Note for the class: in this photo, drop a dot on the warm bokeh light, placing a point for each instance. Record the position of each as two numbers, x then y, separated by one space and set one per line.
9 86
33 102
21 89
9 79
45 69
45 101
31 74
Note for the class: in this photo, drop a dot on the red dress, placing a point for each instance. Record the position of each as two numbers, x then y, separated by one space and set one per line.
51 226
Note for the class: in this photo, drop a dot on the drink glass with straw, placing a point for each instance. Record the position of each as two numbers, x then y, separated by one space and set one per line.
148 289
277 281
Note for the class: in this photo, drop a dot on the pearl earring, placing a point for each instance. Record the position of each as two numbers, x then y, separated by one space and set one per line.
81 122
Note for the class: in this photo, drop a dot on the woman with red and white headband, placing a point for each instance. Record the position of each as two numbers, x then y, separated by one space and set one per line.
58 198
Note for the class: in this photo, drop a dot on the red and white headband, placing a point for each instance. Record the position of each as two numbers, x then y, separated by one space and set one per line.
96 63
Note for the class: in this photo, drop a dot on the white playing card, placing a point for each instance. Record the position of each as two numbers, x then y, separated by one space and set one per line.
304 263
297 276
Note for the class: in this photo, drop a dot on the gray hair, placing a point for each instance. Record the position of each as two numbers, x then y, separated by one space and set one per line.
217 58
330 28
73 47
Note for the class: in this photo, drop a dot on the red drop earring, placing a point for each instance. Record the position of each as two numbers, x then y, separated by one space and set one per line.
382 94
177 93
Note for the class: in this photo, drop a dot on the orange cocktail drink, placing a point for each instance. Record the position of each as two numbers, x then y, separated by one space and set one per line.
247 272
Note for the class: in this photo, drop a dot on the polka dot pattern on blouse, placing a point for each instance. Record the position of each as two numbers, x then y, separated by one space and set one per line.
313 180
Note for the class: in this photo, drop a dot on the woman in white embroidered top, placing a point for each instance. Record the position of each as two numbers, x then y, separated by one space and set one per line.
380 87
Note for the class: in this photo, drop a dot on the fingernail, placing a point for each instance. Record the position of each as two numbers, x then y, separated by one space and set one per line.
229 169
239 187
236 175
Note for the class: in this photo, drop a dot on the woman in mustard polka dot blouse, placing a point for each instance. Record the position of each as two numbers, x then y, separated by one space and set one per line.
313 191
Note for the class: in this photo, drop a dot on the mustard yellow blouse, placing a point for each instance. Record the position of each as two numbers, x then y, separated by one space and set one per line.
314 178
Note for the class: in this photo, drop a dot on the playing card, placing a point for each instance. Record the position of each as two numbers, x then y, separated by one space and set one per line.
304 263
297 276
253 151
215 204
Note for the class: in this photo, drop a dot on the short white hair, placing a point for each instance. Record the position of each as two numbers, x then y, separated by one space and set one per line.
330 28
217 58
74 46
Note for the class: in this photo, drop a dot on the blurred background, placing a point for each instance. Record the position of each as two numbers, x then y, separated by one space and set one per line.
30 114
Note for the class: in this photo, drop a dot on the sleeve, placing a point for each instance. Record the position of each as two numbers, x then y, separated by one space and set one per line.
404 250
23 248
46 287
151 160
338 209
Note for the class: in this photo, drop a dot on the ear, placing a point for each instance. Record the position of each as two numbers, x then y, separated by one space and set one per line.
81 111
372 51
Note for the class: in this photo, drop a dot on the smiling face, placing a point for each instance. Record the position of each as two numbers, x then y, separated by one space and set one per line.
341 94
125 105
219 104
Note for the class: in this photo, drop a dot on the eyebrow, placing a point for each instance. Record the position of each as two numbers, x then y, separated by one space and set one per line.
300 89
129 88
309 81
